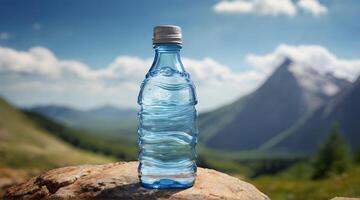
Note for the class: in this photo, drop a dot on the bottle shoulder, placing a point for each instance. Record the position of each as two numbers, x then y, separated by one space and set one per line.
168 76
167 86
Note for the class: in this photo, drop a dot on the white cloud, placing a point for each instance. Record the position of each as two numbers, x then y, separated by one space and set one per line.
37 76
5 36
313 7
261 7
270 7
316 57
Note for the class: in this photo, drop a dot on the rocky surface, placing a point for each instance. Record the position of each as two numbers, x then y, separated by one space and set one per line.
120 181
9 177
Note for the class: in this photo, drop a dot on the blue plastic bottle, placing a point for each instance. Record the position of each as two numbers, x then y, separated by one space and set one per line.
168 129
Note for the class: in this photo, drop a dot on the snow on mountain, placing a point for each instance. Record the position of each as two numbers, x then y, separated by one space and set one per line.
317 87
292 92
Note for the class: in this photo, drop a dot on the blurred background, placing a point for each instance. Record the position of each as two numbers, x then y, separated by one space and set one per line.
277 82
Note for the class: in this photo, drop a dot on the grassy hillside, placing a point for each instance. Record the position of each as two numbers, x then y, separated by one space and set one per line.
295 184
120 147
27 149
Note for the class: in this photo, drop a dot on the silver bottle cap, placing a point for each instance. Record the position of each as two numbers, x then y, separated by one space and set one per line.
167 34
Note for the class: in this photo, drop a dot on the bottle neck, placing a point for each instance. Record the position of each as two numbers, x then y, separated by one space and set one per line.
167 55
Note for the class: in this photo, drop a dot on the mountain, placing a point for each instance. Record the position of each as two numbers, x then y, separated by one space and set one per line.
284 99
344 109
24 145
106 120
112 111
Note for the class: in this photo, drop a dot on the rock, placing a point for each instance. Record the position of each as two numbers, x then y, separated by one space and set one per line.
9 177
120 181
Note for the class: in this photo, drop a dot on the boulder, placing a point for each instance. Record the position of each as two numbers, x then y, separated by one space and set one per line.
120 181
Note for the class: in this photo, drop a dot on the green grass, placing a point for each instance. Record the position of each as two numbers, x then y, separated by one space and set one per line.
211 161
26 146
31 143
295 184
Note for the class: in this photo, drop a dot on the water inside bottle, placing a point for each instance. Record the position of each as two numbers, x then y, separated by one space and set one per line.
167 131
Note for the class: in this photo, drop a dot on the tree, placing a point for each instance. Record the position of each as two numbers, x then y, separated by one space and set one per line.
333 155
357 155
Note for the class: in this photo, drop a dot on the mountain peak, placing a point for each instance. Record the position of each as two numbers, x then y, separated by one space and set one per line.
311 80
284 65
284 99
286 62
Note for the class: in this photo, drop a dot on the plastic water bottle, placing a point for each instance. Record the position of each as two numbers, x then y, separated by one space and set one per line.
168 129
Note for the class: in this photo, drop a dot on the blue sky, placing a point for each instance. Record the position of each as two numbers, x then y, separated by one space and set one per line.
97 32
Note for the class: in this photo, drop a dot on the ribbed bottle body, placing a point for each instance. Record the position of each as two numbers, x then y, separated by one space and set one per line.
167 129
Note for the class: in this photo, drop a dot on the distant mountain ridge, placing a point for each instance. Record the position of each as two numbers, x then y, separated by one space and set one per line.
281 105
105 120
343 109
291 111
109 110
